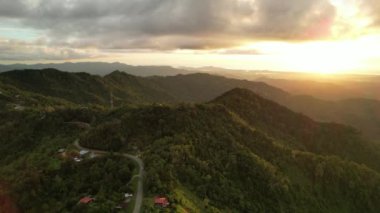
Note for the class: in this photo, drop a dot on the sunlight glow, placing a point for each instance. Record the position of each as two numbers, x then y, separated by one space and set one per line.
321 56
349 41
350 21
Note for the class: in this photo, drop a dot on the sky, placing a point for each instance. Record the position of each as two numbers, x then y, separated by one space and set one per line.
323 36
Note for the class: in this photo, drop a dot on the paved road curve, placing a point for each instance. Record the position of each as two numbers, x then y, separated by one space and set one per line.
140 192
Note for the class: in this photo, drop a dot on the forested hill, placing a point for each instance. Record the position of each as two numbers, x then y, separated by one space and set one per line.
77 88
248 150
240 145
82 88
100 68
298 131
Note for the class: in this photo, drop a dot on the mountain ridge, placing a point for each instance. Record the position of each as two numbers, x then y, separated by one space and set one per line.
201 87
203 148
239 144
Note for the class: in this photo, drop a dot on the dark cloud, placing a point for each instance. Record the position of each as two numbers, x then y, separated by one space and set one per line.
20 50
12 8
172 24
294 19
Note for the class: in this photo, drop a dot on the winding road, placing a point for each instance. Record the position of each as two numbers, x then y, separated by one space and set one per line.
140 185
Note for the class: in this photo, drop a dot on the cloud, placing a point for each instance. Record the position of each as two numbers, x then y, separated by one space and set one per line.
372 8
16 50
171 24
239 52
294 19
12 8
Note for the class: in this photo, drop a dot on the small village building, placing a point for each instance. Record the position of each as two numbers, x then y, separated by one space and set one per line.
128 195
83 152
161 201
86 200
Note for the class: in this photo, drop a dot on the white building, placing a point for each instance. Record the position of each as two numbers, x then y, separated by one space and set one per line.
83 152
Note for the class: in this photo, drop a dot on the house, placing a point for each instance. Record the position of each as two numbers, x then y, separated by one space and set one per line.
86 200
76 159
83 152
161 201
127 195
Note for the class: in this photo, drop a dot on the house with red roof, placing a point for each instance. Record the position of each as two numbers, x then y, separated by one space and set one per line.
86 200
161 201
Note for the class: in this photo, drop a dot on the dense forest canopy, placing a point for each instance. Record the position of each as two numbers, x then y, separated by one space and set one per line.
49 87
239 152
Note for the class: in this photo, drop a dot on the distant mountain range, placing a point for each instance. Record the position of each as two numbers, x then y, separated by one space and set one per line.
100 68
328 87
83 88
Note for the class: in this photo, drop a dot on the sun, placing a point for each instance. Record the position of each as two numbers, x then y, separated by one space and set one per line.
334 57
326 58
323 57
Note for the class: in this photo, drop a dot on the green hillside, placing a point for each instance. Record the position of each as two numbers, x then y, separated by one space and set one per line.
80 88
298 131
127 88
83 88
238 153
13 98
223 162
363 114
39 179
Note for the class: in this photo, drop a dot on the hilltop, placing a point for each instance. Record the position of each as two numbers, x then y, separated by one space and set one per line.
196 155
100 68
83 88
334 87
